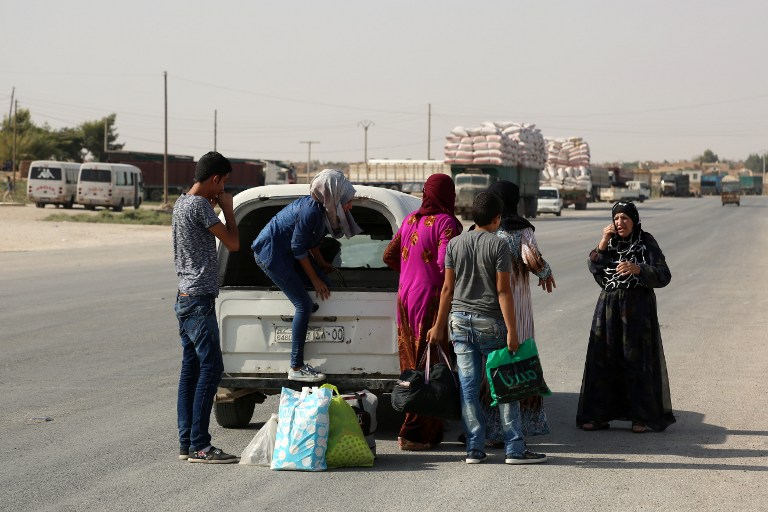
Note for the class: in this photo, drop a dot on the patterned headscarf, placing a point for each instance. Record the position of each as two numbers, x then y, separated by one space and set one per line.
631 248
630 210
332 189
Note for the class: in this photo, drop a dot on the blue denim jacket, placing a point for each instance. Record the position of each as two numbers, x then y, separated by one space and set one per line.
289 236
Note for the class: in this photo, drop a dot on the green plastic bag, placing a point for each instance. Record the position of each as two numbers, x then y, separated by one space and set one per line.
347 446
513 377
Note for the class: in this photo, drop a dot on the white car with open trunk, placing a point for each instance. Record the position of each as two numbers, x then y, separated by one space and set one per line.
352 337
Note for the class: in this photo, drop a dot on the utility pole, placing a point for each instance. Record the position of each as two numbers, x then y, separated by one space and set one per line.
106 146
429 131
309 155
366 125
10 107
15 115
215 120
165 148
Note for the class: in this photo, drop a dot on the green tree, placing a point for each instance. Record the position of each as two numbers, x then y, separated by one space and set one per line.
754 162
708 157
93 137
68 144
32 142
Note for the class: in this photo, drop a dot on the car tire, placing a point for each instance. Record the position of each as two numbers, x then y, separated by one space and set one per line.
558 213
235 414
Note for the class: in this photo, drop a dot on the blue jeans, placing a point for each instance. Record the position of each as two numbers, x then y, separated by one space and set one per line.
474 337
294 285
201 368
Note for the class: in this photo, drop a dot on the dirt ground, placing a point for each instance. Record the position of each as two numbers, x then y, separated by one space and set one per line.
22 228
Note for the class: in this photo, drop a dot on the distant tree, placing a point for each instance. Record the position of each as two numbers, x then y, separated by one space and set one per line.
708 157
93 137
32 142
754 162
68 144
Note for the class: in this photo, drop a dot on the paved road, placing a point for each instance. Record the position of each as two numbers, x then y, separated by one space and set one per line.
88 340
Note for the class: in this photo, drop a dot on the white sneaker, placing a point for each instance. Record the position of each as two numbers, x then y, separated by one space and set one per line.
305 374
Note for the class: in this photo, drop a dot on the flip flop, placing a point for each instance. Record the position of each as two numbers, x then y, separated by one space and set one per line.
595 425
639 428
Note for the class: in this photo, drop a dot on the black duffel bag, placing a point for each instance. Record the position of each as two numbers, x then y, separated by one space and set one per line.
431 390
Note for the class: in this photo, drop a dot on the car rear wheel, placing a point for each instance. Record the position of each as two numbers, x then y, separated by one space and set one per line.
238 413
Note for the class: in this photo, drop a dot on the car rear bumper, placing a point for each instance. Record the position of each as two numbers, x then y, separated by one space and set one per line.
272 384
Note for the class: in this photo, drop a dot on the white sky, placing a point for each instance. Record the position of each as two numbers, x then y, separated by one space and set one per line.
649 80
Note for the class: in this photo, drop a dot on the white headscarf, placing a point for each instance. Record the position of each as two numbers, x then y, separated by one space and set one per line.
332 189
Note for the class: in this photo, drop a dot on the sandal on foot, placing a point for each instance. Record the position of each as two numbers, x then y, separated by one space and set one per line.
412 446
595 425
639 428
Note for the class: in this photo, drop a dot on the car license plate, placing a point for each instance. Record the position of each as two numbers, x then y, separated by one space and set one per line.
326 333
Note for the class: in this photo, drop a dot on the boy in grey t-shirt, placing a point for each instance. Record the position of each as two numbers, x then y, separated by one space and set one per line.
477 293
195 230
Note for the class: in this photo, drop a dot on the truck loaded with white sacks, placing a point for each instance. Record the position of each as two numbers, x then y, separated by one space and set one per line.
493 151
568 170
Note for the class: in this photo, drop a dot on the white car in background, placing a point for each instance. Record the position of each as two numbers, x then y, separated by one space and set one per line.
352 337
550 201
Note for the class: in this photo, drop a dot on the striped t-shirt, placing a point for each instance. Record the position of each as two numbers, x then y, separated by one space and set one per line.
194 246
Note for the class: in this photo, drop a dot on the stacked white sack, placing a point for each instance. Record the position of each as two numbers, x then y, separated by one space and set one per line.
568 161
507 144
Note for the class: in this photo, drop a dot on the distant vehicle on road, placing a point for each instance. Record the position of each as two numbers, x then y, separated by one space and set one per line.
52 182
730 192
109 185
550 201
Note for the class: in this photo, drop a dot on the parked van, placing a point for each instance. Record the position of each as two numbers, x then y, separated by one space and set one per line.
352 337
109 185
51 182
550 201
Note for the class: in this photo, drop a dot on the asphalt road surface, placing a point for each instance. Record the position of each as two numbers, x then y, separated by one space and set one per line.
89 362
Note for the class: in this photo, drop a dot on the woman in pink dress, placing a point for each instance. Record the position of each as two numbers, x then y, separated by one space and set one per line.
418 252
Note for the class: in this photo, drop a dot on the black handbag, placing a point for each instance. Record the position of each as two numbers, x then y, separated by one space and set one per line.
429 391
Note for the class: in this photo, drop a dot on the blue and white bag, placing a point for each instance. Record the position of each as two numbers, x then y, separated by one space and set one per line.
302 432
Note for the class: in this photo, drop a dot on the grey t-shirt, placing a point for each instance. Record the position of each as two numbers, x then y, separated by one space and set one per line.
194 247
475 257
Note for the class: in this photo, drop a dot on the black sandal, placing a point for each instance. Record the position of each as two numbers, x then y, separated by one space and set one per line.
591 426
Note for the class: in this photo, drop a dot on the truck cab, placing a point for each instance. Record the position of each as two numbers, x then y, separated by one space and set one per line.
467 187
731 191
550 201
643 190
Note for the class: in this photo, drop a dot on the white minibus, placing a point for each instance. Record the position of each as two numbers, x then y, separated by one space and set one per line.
51 182
109 185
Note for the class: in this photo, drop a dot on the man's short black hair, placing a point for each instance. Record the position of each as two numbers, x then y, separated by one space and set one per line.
486 207
210 164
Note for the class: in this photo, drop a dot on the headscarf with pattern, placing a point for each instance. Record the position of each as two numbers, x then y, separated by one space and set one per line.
631 248
333 190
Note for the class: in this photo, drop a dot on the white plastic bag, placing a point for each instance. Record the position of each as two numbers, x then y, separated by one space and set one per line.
259 450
